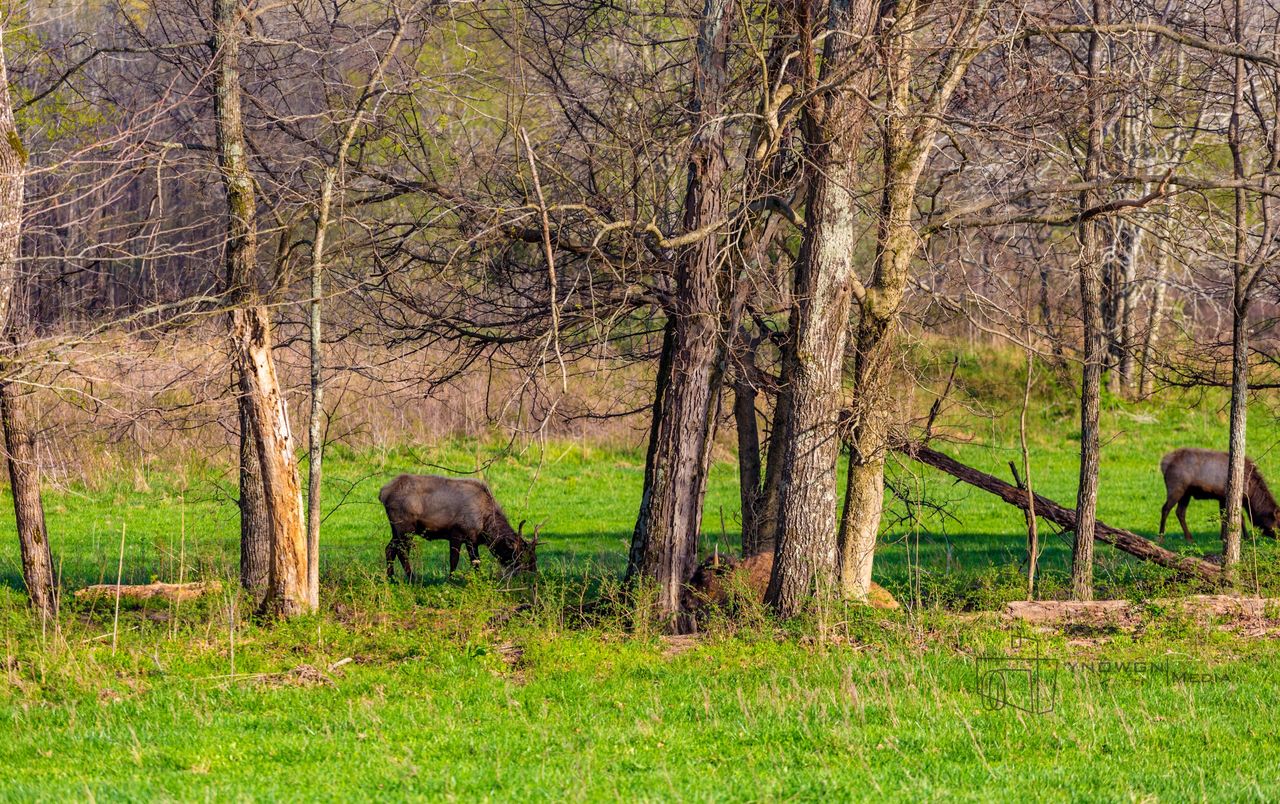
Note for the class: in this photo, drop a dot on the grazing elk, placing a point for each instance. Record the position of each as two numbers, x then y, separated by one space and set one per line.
1201 474
460 510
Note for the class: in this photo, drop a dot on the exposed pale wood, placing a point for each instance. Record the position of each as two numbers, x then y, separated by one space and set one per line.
250 331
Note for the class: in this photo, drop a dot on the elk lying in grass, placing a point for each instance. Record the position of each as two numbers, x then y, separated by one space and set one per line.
719 578
460 510
1201 474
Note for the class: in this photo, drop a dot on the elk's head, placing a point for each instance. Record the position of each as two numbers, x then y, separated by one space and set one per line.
1266 521
526 558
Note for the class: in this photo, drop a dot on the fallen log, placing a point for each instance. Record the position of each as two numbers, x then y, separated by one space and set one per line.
1127 613
174 592
1063 517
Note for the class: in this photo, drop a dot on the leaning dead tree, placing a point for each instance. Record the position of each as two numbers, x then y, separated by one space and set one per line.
1065 518
20 455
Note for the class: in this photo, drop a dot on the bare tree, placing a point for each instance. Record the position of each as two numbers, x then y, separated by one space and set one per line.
24 472
665 542
250 329
1090 312
1246 269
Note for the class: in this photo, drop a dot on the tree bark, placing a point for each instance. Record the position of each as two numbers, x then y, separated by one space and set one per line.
255 530
1091 315
24 472
744 415
24 481
665 541
813 363
768 506
250 331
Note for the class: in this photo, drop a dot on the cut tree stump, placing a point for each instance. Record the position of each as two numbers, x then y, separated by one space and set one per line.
1064 517
1122 613
174 592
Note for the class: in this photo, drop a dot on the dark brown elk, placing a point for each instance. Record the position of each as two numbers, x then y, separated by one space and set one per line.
1201 474
459 510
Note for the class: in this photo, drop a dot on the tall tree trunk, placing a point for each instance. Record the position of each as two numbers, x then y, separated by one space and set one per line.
813 361
805 558
24 473
1091 315
1230 526
871 419
315 428
665 542
250 330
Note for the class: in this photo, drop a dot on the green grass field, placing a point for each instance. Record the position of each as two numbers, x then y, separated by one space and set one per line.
459 688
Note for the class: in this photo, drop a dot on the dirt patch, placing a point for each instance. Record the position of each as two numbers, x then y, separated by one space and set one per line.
675 644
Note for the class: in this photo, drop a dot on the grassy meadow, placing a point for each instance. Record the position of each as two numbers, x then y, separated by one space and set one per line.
551 689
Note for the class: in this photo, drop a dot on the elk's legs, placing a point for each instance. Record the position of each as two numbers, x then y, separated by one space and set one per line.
1182 516
474 552
1164 514
391 553
398 548
454 548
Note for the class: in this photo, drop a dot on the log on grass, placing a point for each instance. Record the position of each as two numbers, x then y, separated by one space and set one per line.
1063 517
1125 612
174 592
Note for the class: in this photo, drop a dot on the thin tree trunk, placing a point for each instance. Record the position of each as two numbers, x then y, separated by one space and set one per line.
1131 244
744 414
250 330
315 430
1033 533
769 504
1231 525
24 473
665 541
1154 319
1091 315
666 357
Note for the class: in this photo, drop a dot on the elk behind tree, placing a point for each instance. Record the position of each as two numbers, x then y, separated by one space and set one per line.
720 579
1201 474
462 511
